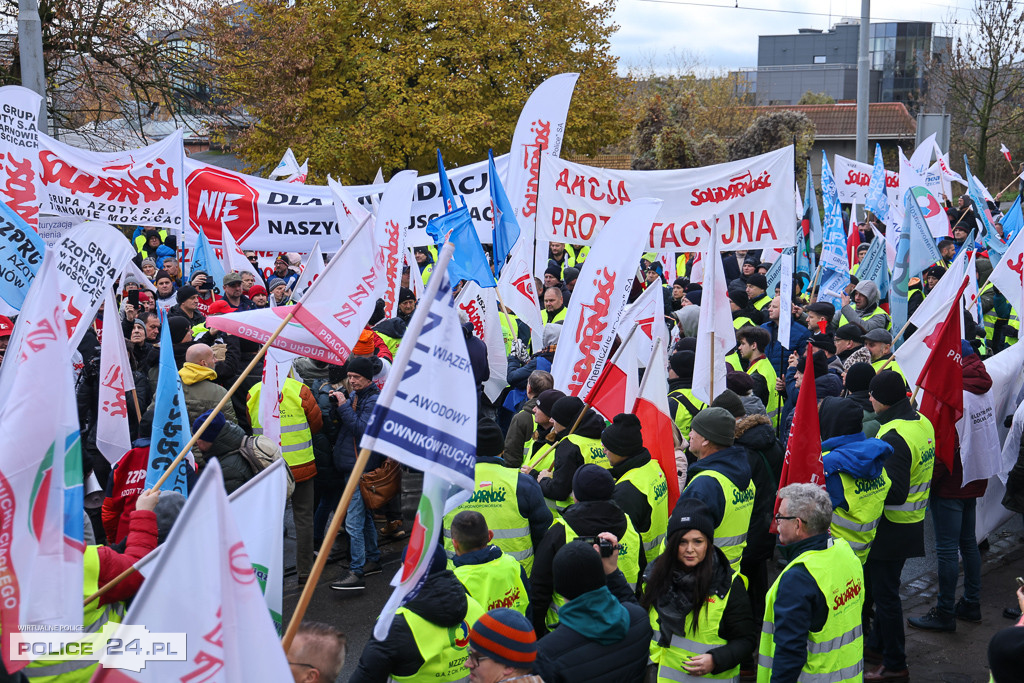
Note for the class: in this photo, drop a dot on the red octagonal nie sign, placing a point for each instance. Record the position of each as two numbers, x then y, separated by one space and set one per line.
217 196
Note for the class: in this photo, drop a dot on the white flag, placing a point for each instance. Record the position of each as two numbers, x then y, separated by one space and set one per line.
481 307
648 314
416 283
389 235
203 584
350 212
133 274
313 269
517 288
786 297
599 297
112 435
40 471
234 259
288 165
275 371
89 259
1008 275
300 175
426 414
715 333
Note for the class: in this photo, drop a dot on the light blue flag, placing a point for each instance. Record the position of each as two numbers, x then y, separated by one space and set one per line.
205 260
811 210
980 205
873 266
171 430
506 227
1013 221
877 201
446 189
775 272
924 252
21 254
835 273
469 262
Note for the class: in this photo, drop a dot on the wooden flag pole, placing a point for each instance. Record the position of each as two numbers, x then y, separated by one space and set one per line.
135 399
325 548
109 585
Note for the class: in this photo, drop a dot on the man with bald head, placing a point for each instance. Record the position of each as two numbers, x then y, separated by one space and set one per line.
554 309
198 377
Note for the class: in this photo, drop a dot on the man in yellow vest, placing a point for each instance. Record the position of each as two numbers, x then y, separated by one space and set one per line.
429 636
640 486
510 501
855 478
681 401
900 532
812 623
752 344
878 342
721 479
491 577
865 313
300 419
757 286
554 310
555 471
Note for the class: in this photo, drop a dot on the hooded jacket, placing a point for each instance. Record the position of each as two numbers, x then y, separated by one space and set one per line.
233 464
764 456
845 448
859 316
202 393
568 458
733 463
586 518
442 600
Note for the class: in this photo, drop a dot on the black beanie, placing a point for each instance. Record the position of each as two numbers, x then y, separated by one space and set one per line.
820 362
730 400
489 441
566 410
825 342
740 383
547 399
186 292
360 365
682 364
623 436
592 482
691 513
405 294
554 271
577 569
758 280
178 327
859 376
888 388
739 297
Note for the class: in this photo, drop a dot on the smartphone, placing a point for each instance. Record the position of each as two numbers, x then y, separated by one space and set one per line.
133 297
1020 582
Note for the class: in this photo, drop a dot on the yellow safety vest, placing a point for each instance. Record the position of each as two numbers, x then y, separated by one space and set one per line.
762 366
495 496
681 415
442 648
919 436
494 584
650 481
894 366
296 438
628 563
836 652
878 311
865 499
731 533
559 317
762 302
593 454
741 322
509 329
94 618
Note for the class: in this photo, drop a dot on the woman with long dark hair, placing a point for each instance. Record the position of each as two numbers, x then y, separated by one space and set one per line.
700 612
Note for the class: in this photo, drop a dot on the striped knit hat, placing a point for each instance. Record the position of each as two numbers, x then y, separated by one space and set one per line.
506 636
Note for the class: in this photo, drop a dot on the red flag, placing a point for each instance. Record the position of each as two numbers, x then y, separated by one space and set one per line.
852 242
655 419
802 464
616 388
942 382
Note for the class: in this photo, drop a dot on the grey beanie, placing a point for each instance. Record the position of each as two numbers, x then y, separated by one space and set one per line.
717 425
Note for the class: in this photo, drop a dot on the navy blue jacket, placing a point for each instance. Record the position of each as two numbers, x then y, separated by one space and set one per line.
732 462
855 454
351 425
799 335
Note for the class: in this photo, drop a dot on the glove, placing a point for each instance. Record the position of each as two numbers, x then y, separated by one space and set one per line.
520 351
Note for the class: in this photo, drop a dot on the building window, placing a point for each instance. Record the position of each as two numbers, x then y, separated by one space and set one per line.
819 59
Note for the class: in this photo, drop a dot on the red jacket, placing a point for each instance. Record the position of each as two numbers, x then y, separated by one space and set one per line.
127 482
946 484
142 538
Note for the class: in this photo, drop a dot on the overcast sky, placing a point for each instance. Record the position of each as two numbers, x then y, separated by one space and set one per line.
726 37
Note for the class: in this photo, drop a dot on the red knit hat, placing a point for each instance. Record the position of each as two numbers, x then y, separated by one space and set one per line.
256 290
505 636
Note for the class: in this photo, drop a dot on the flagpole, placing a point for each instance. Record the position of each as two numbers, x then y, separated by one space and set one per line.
712 365
643 380
252 364
135 398
586 405
504 311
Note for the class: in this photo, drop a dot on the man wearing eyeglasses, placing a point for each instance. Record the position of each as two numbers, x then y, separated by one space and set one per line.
812 618
502 647
317 653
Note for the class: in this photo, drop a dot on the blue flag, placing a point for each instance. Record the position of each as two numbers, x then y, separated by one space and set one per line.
835 273
506 227
205 259
171 430
873 266
21 254
811 215
775 272
469 262
1013 221
446 188
978 199
877 201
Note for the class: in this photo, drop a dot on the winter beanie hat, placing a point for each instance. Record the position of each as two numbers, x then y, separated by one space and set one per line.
506 636
623 436
691 513
888 388
592 482
566 410
717 425
547 399
577 569
489 441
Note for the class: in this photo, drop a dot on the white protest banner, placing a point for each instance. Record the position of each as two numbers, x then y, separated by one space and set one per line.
52 229
753 199
230 633
599 297
481 308
715 332
980 451
112 437
518 289
21 254
19 142
89 259
132 275
288 166
257 325
853 179
134 187
389 232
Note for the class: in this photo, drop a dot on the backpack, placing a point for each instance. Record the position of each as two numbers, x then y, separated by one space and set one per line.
260 452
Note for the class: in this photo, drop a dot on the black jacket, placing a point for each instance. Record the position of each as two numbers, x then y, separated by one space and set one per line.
441 601
898 541
764 455
565 656
588 518
568 458
632 500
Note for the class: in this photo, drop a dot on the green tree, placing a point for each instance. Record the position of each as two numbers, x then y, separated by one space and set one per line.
382 83
816 98
774 131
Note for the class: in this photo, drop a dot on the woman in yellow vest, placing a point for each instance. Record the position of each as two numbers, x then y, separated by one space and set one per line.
554 472
699 609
